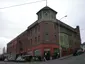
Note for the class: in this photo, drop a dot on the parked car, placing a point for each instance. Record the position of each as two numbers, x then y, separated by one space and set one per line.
2 57
78 52
20 59
5 59
27 57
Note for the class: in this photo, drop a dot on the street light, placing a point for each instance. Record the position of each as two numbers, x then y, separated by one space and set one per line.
63 17
60 48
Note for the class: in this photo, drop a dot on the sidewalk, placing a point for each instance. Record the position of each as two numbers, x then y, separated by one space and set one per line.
65 57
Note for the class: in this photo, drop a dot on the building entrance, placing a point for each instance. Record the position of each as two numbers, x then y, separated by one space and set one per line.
47 54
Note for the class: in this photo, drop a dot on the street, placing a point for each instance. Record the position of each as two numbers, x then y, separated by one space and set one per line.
71 60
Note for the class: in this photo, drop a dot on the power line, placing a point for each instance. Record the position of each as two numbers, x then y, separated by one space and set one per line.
22 4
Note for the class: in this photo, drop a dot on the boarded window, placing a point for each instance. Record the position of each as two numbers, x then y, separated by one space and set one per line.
64 42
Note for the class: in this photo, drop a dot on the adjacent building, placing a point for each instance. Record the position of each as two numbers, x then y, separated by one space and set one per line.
83 46
47 34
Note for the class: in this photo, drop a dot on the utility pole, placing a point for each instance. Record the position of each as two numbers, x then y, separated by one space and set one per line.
3 50
60 48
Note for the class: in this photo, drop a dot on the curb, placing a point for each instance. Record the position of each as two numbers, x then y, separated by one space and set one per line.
65 57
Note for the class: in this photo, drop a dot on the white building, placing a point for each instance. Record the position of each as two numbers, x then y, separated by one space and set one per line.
83 46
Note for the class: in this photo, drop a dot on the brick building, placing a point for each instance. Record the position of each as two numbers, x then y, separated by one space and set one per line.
43 35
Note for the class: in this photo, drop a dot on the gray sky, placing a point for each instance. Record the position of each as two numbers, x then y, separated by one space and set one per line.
15 20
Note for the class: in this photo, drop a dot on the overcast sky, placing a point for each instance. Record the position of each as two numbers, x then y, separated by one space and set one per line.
15 20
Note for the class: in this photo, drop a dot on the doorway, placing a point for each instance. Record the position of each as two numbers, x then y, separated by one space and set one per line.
47 54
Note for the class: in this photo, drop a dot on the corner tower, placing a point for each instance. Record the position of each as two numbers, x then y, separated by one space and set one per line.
46 14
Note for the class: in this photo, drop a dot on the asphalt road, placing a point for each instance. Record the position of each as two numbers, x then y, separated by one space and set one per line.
71 60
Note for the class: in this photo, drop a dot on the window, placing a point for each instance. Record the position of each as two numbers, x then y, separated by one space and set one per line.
31 41
35 29
38 27
46 29
35 39
28 42
46 37
55 26
55 36
31 32
20 46
45 13
38 38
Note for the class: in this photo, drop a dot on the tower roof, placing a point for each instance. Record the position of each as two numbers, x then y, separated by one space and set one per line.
46 8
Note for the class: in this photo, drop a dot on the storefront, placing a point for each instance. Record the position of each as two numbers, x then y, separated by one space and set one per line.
45 49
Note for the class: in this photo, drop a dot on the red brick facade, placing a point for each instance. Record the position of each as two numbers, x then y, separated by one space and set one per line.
42 35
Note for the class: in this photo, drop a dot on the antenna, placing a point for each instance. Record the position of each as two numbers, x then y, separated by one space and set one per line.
46 2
